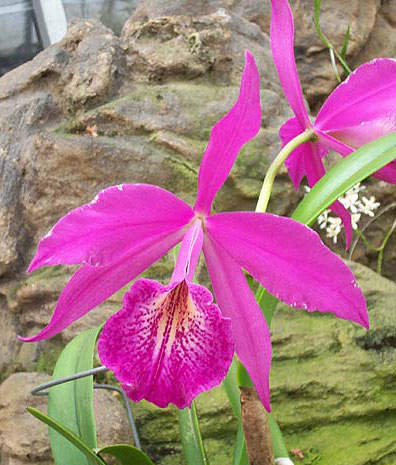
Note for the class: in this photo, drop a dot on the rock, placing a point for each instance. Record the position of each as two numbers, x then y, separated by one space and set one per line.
332 389
371 25
24 439
382 40
35 97
186 47
313 62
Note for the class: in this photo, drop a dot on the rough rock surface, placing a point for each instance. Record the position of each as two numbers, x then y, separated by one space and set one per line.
24 439
372 31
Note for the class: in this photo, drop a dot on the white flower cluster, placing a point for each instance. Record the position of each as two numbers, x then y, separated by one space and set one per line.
351 201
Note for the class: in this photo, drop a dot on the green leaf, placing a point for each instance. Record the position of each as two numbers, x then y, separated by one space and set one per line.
71 403
126 454
192 443
240 453
89 456
345 43
231 388
344 175
321 36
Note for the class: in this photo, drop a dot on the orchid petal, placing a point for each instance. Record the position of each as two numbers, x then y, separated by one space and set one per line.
387 173
367 131
291 262
167 344
282 46
236 301
104 230
228 136
315 170
368 94
90 286
295 161
190 249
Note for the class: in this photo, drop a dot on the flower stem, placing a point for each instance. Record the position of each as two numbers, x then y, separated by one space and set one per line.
384 242
307 136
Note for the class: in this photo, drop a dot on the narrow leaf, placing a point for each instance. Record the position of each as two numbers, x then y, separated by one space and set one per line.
344 175
126 454
231 388
191 437
74 441
240 453
71 403
321 36
345 43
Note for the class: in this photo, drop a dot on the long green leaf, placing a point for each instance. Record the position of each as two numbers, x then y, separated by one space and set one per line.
231 388
89 456
126 454
344 175
192 443
240 452
71 403
345 43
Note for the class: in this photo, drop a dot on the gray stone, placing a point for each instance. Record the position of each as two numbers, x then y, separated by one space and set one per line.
24 439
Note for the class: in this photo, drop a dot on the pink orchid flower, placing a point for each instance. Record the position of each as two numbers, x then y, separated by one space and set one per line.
358 111
169 343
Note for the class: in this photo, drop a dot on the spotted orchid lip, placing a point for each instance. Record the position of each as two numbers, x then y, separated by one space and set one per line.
167 344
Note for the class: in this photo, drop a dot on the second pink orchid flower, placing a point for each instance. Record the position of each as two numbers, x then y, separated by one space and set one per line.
359 110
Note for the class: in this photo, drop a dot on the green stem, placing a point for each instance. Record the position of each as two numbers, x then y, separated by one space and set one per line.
334 65
383 245
367 243
306 136
342 61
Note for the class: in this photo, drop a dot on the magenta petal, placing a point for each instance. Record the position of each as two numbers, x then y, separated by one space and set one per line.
249 328
90 286
295 161
387 173
106 229
228 136
188 256
167 344
369 93
315 170
282 46
356 136
291 262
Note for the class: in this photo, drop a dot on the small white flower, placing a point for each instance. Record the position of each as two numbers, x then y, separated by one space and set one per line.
368 205
350 201
323 219
334 228
355 218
